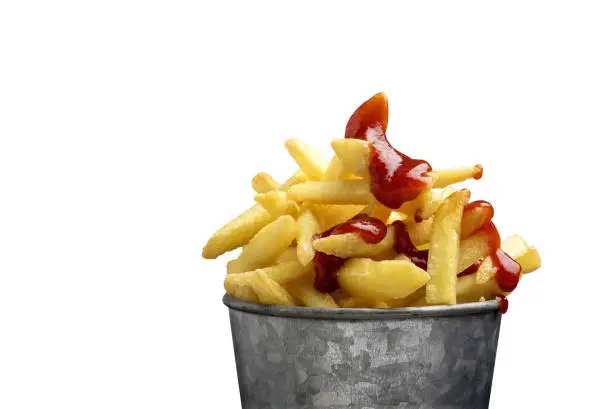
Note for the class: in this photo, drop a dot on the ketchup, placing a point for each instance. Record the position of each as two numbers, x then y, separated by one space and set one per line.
507 270
394 177
370 229
503 304
404 245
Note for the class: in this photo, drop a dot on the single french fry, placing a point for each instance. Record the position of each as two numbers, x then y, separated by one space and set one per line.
514 246
277 204
420 232
335 192
332 215
354 154
472 249
443 260
354 302
269 291
266 246
285 272
237 232
469 290
455 175
310 162
431 200
335 170
381 280
287 256
308 226
309 296
530 260
263 183
352 245
239 287
297 177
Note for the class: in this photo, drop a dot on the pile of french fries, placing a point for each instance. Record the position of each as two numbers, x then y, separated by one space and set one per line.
277 233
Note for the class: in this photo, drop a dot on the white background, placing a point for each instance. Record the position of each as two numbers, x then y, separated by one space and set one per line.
130 132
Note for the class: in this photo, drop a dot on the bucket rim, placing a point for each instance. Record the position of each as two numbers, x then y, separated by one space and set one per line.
361 313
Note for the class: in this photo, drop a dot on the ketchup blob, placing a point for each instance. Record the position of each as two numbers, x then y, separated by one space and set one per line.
394 177
326 266
404 245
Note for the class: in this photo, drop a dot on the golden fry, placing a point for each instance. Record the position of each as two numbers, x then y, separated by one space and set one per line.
352 245
334 171
305 292
472 249
277 204
530 260
456 175
354 155
443 261
263 183
284 272
239 287
269 291
381 280
335 192
237 232
310 162
308 226
331 215
266 246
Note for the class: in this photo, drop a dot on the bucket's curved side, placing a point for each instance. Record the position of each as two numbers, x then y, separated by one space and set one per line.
439 361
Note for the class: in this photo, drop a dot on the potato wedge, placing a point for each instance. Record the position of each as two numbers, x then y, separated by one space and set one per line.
352 245
269 291
237 232
354 155
266 246
381 280
456 175
263 183
443 260
335 192
310 162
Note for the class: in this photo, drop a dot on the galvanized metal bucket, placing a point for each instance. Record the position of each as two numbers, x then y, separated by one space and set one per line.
438 357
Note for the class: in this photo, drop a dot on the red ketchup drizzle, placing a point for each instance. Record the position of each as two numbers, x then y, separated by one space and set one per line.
507 270
370 229
404 245
394 177
503 304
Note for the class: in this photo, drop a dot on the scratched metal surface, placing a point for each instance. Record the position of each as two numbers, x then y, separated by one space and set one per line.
440 359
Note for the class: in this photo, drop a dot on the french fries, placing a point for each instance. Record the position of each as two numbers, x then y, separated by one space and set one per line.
352 245
381 280
266 246
309 297
443 261
238 232
263 183
372 228
308 226
309 161
334 192
354 155
448 177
